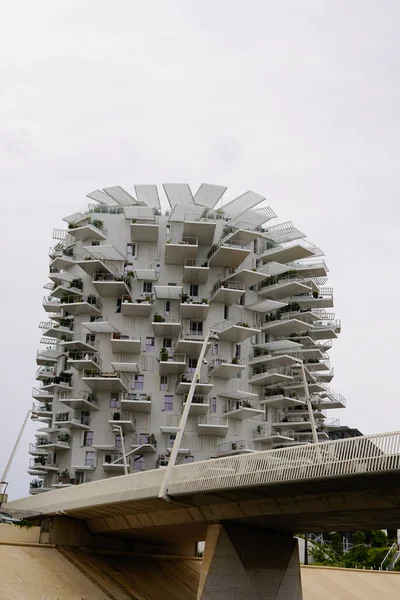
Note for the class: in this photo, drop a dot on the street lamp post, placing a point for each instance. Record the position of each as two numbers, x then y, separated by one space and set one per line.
163 493
3 482
117 429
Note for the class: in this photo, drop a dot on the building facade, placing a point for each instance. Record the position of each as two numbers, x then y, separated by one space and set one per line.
134 290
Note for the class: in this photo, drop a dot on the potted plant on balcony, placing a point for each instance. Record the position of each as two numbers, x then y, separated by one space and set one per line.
116 335
259 429
98 223
65 476
234 446
184 298
158 318
235 361
204 300
164 354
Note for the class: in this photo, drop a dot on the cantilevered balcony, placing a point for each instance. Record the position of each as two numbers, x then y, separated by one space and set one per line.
176 252
63 381
72 288
145 443
278 399
113 463
234 447
36 486
122 343
228 253
195 270
248 277
135 402
58 443
88 230
172 365
284 286
236 389
35 450
36 466
265 376
331 399
212 426
45 373
81 305
327 330
82 342
285 326
42 410
62 256
326 376
81 400
224 368
144 230
232 330
91 265
126 367
49 356
194 308
168 292
125 419
51 304
99 325
203 386
42 395
138 307
289 252
60 331
48 463
199 405
84 360
190 343
295 423
310 269
72 420
241 409
298 387
323 298
106 382
227 292
264 433
61 481
108 285
203 230
166 325
270 359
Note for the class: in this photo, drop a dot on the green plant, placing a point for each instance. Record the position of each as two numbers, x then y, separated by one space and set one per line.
315 294
164 354
235 361
98 223
204 300
158 318
133 221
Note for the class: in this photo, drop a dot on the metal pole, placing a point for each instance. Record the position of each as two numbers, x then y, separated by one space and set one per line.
306 548
163 493
8 465
119 428
309 405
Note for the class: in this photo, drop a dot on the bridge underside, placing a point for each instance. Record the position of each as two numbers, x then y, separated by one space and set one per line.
343 504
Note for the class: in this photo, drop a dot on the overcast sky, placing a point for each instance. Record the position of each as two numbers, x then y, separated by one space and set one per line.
298 101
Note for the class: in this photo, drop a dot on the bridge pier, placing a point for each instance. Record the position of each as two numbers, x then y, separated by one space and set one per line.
249 564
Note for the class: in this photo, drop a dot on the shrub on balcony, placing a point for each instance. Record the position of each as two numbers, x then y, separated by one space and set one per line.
164 354
158 318
98 223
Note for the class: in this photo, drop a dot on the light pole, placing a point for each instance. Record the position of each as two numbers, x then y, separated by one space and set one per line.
299 365
163 493
117 429
3 482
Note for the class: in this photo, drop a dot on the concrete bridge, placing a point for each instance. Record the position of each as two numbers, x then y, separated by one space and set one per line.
246 507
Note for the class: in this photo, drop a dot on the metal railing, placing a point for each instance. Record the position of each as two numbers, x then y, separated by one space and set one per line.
188 378
46 372
196 262
284 245
218 421
113 458
103 375
84 338
222 361
263 431
232 405
41 407
72 417
223 325
118 415
354 456
175 358
389 553
185 241
227 285
135 397
237 445
81 395
77 355
156 318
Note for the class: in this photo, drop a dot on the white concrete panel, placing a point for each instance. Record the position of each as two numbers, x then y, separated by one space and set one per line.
139 212
101 197
178 193
183 213
242 203
120 195
251 219
209 194
149 195
75 217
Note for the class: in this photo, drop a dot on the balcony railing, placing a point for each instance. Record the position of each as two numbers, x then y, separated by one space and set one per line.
188 378
227 285
135 397
257 370
72 417
113 458
91 299
237 445
265 431
77 355
36 484
237 245
175 358
196 262
156 318
186 241
41 407
81 395
222 361
237 405
118 415
47 372
111 375
109 277
96 223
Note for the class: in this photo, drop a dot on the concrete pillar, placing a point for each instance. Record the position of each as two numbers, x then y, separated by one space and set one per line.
249 564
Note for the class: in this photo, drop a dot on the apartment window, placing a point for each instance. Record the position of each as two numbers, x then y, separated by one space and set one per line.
118 441
138 382
226 311
147 287
119 302
115 401
85 417
167 343
196 327
167 307
213 405
171 440
138 463
238 350
241 300
149 346
95 243
214 350
192 364
90 459
168 403
90 339
88 437
194 289
164 383
130 252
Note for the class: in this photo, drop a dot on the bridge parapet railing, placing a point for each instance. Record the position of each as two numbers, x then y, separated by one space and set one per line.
354 456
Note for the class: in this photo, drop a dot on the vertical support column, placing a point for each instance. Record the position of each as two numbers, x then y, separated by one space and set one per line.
249 564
